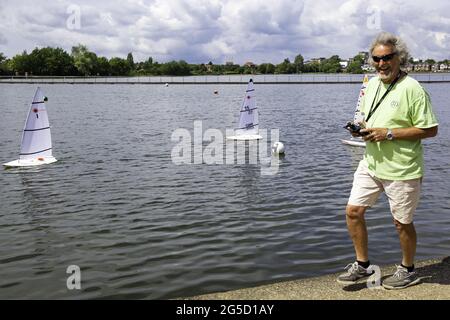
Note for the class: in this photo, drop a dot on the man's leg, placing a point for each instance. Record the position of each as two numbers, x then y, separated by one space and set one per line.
356 225
405 275
364 193
408 241
404 198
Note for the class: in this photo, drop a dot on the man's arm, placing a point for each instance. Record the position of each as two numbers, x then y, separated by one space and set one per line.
412 133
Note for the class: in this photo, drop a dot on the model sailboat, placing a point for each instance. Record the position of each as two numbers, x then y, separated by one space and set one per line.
36 146
248 117
358 142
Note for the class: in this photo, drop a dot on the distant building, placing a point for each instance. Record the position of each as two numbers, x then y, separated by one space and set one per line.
417 65
249 64
367 67
318 60
409 67
315 60
444 67
422 67
364 55
344 64
208 67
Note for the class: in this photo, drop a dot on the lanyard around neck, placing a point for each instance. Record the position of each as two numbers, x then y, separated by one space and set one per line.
372 109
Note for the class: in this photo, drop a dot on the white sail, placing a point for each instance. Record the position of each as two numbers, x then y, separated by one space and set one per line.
36 138
36 146
248 116
357 116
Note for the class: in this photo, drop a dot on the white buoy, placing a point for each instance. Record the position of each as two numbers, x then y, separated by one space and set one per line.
166 84
278 148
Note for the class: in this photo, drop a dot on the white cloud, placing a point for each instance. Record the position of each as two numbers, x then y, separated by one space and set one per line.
219 30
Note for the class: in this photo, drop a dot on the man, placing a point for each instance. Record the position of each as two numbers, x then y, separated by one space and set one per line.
397 115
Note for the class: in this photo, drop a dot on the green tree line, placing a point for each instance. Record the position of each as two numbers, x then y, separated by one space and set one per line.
50 61
82 62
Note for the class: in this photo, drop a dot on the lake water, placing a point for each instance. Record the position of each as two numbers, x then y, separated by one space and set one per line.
140 226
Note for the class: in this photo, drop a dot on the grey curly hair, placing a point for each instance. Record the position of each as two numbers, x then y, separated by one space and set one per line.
386 38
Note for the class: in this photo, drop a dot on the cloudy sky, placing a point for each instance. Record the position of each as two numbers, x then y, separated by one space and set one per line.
222 30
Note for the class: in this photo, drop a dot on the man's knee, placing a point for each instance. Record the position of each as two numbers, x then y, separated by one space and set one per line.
403 226
355 212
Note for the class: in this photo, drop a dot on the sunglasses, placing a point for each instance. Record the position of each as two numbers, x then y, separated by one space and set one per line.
385 58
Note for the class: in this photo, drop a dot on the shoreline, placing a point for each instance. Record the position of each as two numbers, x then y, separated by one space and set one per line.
197 82
435 285
215 79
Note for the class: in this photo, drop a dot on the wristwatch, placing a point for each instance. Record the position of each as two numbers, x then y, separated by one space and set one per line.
389 135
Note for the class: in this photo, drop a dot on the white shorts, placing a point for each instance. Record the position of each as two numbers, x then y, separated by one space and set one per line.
403 195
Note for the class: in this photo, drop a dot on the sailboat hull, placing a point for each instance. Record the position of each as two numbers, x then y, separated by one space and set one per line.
354 143
244 137
29 162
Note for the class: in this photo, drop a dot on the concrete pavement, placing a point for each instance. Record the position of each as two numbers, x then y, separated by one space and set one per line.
435 285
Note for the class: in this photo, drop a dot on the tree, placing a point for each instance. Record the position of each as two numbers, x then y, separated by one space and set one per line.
174 68
148 65
262 68
311 67
156 68
285 67
299 63
21 63
199 68
119 67
356 65
230 68
103 67
184 68
217 69
84 60
331 65
51 62
266 68
3 64
130 60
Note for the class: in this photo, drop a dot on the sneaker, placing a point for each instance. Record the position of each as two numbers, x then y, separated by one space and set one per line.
401 279
355 272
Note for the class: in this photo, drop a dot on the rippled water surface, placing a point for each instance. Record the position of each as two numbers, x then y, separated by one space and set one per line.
140 226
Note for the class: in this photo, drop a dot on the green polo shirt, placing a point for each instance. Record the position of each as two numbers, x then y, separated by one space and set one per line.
406 105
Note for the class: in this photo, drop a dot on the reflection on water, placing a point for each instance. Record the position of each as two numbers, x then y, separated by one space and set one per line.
140 226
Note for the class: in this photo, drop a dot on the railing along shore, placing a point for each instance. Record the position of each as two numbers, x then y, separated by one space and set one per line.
211 79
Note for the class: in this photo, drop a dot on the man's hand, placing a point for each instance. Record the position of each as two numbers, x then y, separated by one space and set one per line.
375 134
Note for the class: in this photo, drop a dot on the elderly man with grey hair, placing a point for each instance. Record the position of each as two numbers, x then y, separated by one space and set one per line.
396 113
